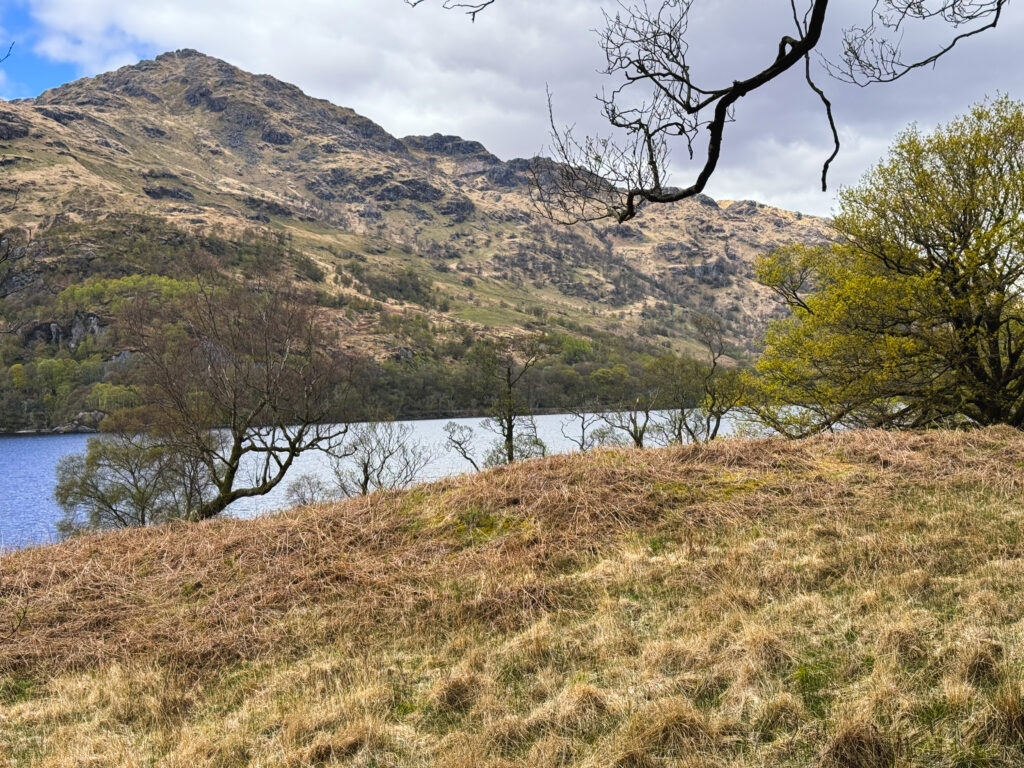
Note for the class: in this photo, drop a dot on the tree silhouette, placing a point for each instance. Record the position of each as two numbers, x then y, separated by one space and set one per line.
658 102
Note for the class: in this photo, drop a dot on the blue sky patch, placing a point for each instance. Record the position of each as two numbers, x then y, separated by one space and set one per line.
26 73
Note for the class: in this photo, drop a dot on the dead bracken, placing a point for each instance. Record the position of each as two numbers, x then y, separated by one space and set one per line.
745 603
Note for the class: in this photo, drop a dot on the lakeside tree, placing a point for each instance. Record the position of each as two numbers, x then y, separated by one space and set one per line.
510 418
128 480
238 377
378 456
633 398
581 424
697 395
499 369
630 423
658 100
461 439
915 317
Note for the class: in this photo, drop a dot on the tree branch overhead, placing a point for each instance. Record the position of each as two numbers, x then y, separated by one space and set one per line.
657 102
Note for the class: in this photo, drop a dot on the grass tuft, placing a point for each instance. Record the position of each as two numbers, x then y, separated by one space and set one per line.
859 744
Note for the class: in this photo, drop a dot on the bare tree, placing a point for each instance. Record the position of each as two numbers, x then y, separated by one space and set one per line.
526 443
580 425
699 394
634 420
500 368
307 490
658 101
460 440
378 456
239 377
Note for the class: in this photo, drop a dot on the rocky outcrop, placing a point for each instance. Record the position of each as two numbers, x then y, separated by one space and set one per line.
449 146
416 190
12 127
201 95
168 193
83 423
514 173
458 208
62 116
273 135
71 334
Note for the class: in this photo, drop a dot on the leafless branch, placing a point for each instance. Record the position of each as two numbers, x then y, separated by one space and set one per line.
472 9
647 48
873 53
658 102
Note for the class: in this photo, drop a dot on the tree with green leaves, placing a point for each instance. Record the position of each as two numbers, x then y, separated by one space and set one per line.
914 317
128 480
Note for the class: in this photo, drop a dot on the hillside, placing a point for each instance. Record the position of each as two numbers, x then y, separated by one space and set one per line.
209 149
847 601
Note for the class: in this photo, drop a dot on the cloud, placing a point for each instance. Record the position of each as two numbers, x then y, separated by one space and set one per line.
789 172
427 70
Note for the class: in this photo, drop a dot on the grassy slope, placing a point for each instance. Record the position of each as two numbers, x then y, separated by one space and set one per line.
851 600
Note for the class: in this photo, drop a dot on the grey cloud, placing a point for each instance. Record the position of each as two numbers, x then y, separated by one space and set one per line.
426 70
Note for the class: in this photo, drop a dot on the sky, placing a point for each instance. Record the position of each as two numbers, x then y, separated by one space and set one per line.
424 70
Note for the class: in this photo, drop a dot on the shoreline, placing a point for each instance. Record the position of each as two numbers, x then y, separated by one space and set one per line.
55 432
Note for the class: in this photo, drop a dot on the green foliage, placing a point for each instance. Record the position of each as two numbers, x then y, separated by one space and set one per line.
127 480
308 268
406 285
46 391
111 295
109 398
914 317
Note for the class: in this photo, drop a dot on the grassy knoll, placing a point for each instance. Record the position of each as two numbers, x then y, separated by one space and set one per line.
850 601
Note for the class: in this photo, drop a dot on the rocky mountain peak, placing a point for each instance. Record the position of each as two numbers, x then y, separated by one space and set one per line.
241 109
450 146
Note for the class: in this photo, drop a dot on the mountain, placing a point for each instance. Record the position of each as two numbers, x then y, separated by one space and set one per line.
204 146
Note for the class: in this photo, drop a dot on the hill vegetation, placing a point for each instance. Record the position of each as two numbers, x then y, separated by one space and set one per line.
848 600
413 244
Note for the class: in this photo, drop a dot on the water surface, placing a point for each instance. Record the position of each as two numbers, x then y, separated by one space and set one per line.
28 511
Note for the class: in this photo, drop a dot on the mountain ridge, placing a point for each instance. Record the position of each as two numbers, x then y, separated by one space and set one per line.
203 145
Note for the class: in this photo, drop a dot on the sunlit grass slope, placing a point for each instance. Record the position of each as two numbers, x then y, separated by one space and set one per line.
849 601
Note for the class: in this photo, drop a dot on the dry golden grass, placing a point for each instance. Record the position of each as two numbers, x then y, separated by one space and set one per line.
850 600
